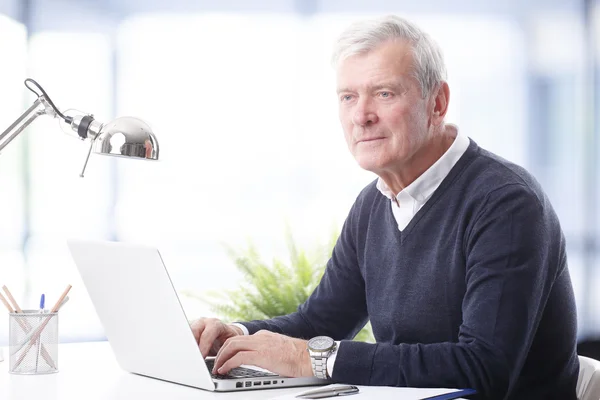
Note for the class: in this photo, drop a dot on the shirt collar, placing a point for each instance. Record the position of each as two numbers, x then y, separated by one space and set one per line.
423 187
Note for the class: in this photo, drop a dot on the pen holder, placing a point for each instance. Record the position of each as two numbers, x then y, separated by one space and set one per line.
33 342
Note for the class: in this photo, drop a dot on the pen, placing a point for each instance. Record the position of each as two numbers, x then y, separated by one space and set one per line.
60 299
12 299
39 330
23 324
32 332
329 391
63 303
8 306
39 339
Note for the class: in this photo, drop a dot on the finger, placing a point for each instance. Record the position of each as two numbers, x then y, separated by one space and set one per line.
234 341
219 360
231 347
197 328
208 337
243 357
257 336
216 346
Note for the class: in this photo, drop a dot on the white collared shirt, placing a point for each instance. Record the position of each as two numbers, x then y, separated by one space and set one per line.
410 200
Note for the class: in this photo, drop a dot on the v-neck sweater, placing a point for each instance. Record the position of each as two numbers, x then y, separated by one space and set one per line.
474 293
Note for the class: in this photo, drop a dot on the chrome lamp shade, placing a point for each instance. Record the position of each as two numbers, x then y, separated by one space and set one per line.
127 137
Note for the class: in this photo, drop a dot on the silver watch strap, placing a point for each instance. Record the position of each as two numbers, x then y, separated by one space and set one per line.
319 367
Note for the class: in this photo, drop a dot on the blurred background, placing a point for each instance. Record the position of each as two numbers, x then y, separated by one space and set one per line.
241 96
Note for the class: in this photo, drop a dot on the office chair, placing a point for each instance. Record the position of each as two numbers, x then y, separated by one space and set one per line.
588 382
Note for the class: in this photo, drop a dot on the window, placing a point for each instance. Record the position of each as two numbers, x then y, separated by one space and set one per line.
242 100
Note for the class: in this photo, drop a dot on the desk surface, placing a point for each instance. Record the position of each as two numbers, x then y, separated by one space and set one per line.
89 371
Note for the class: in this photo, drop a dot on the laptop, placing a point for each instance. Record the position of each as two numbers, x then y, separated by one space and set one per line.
145 324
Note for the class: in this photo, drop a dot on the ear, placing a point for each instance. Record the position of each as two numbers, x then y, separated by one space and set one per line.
440 104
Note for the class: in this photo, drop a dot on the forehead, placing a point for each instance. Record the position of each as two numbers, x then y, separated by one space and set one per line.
390 60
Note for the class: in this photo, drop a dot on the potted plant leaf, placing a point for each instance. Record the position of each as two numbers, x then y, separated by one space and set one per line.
274 289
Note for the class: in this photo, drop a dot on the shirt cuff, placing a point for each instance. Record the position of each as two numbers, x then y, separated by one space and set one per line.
331 359
242 327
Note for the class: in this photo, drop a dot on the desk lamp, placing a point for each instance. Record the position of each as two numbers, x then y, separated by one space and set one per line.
124 136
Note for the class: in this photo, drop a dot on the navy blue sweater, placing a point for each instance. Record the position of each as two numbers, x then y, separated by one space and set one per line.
473 293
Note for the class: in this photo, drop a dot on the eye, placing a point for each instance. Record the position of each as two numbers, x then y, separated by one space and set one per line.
385 95
346 98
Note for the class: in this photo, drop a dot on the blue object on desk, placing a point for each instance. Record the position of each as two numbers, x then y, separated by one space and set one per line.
453 395
42 302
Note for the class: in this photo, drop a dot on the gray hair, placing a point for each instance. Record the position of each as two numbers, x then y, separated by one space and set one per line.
365 36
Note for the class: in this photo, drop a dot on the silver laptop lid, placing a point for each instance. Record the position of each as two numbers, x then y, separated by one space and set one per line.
140 311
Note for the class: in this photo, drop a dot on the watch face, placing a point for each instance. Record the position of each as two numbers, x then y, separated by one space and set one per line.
321 343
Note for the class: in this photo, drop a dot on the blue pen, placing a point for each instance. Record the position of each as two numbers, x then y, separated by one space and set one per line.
42 305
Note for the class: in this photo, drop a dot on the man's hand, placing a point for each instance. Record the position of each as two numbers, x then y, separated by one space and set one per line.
278 353
211 333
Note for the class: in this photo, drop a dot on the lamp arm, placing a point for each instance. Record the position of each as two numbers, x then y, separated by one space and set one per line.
25 119
139 141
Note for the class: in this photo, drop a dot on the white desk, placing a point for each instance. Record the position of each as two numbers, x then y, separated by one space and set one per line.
89 371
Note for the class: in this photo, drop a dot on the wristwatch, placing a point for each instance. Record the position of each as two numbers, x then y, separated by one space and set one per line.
320 348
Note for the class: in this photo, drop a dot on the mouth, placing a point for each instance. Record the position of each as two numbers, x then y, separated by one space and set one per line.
369 140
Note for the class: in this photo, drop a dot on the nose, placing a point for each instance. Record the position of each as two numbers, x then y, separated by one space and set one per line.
364 114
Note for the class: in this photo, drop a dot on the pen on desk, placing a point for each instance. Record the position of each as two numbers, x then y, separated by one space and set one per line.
329 391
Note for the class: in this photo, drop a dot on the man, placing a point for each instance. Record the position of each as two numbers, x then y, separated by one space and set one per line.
454 254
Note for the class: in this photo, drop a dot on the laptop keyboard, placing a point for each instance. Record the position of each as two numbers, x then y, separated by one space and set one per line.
237 373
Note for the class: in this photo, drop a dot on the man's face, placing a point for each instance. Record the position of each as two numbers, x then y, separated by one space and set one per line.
384 117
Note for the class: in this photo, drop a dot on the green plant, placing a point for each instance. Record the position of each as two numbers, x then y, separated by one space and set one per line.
275 289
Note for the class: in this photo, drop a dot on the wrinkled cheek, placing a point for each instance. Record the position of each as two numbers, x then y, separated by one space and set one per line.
348 138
